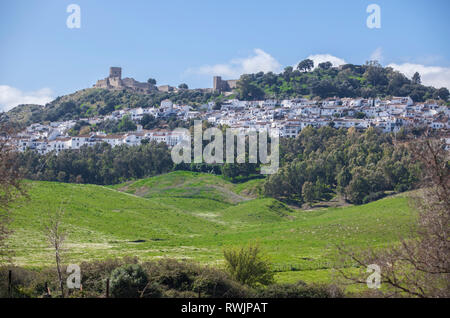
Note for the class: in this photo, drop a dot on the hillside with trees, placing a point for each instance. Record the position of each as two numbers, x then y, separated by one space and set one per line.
94 101
360 166
349 80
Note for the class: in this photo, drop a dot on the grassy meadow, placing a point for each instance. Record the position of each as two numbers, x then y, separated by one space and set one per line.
195 216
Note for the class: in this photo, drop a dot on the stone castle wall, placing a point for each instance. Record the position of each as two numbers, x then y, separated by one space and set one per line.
115 81
220 85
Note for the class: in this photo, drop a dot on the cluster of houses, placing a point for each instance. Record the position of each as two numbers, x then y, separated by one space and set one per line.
288 116
43 142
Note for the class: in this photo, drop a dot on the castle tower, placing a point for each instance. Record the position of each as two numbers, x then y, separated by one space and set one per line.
115 72
217 83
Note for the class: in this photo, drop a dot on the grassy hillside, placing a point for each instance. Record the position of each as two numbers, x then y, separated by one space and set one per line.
90 102
193 216
25 114
186 184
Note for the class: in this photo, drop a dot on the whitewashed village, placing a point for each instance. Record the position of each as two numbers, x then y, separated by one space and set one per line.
288 116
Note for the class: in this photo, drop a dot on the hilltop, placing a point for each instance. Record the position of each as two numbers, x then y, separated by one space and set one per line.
368 81
187 216
92 102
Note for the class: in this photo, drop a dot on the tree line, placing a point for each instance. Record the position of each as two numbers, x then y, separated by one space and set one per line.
360 166
99 164
369 81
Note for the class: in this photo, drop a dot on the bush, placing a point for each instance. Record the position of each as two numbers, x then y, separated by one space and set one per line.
249 266
95 273
27 283
128 281
152 290
185 279
299 290
172 273
214 283
373 196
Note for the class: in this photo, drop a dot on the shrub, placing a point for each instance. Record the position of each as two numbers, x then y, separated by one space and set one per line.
27 283
299 290
215 283
186 279
249 266
95 273
152 290
172 273
128 281
373 197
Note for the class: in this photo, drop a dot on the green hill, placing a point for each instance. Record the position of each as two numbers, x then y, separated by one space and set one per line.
189 215
95 101
186 184
349 80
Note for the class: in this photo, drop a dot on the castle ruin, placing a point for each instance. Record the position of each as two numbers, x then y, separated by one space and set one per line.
220 85
115 81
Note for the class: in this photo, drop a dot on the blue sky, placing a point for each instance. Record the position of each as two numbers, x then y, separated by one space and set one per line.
189 41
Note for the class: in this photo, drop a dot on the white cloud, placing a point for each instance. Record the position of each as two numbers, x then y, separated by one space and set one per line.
320 58
10 97
377 55
259 62
436 76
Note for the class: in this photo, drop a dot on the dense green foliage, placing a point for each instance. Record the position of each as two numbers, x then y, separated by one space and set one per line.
100 164
369 80
129 278
128 281
167 278
360 166
248 265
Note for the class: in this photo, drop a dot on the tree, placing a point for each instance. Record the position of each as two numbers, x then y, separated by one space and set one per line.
343 179
55 237
217 105
11 187
249 266
126 124
443 93
149 121
248 90
151 81
376 74
183 86
358 188
416 78
230 170
325 65
305 65
308 192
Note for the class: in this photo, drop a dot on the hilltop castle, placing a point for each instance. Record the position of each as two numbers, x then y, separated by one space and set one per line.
115 81
220 85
